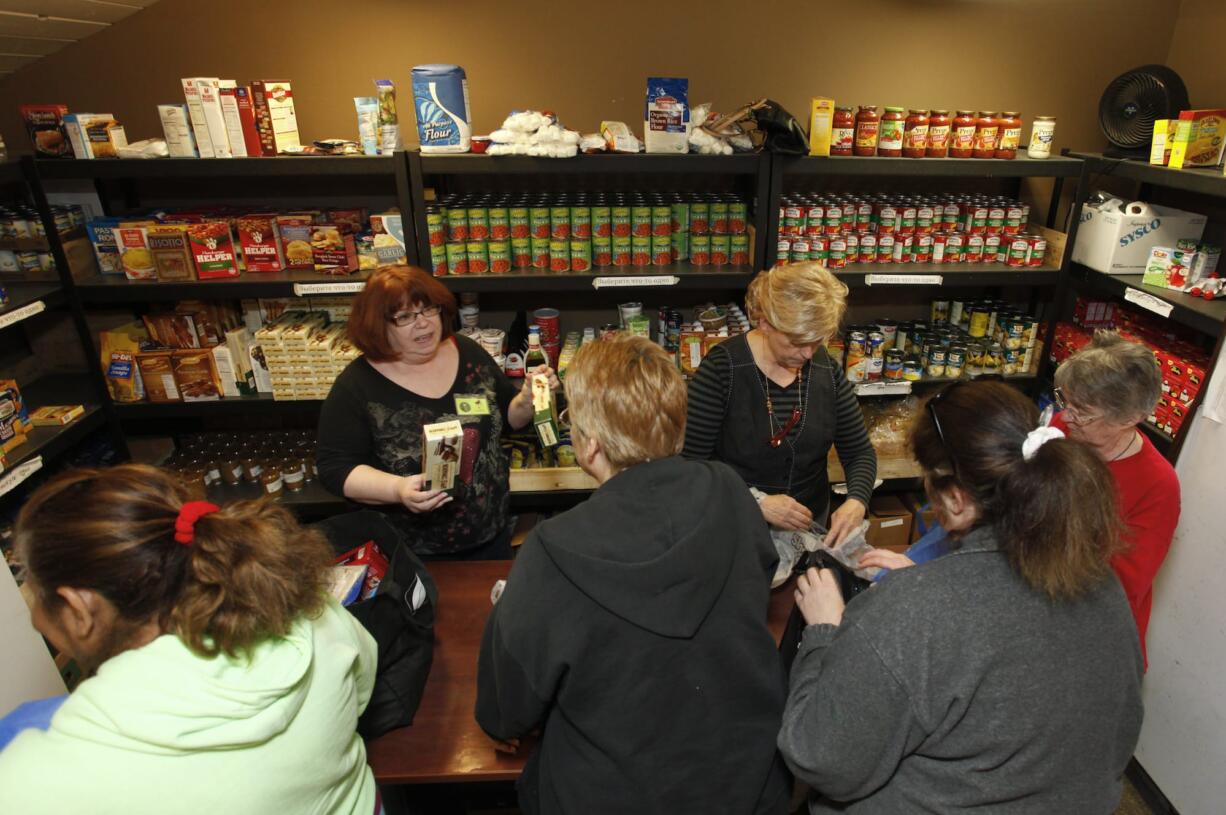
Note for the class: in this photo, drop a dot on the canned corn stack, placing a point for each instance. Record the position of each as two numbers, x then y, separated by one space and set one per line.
582 232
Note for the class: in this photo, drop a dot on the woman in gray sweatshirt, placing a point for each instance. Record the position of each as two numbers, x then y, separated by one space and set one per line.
1004 677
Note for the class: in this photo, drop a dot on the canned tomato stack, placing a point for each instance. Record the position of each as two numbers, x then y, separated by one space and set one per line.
840 230
578 232
962 339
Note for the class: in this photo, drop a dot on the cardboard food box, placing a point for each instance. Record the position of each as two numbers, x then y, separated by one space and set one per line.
227 90
195 112
889 522
158 373
172 257
177 128
196 376
1117 241
246 115
45 124
389 238
213 250
76 127
260 372
923 517
375 563
333 251
1162 142
350 221
209 90
105 138
223 363
12 428
101 233
1200 137
134 254
56 415
821 125
261 243
274 105
295 236
1169 268
238 340
442 449
177 331
544 411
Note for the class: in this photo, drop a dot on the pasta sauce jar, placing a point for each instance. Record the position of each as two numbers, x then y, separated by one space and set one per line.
938 134
986 130
915 134
843 132
963 141
1009 134
890 133
868 123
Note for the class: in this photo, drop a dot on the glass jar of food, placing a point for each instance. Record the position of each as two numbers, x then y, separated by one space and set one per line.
868 124
938 134
252 470
915 134
293 473
986 130
843 132
231 469
890 133
963 142
1008 135
1041 134
272 481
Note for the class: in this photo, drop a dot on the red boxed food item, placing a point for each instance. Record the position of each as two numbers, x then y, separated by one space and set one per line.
261 243
213 250
370 556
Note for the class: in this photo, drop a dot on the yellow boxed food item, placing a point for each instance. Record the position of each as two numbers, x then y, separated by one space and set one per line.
442 448
1163 141
821 124
56 415
1200 136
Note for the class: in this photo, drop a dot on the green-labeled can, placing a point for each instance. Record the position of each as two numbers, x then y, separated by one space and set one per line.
602 252
640 222
540 252
640 250
478 257
500 224
478 224
438 260
622 250
500 256
457 258
661 220
436 228
581 223
661 250
538 223
559 223
721 249
521 253
740 250
520 222
681 217
457 224
738 217
681 246
559 255
700 250
700 218
602 222
581 255
719 218
621 218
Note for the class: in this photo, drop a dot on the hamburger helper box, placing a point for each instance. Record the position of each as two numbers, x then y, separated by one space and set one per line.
1116 238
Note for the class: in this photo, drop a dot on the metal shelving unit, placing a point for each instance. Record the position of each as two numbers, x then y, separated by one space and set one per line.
705 278
117 289
1201 181
271 167
1020 167
262 404
961 274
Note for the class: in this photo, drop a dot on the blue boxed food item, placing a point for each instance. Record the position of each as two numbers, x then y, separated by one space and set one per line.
440 100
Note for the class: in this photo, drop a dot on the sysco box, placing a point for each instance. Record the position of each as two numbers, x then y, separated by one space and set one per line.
440 100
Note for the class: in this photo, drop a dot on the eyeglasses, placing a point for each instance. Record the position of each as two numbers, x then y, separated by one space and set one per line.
402 318
936 420
1076 413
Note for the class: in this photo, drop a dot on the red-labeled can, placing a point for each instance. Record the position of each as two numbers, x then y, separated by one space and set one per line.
814 219
853 247
887 219
1014 221
800 251
996 220
819 248
783 251
793 222
955 247
949 218
921 249
979 219
834 219
974 248
991 248
938 246
864 216
924 217
906 219
885 248
868 247
1019 251
836 257
1038 250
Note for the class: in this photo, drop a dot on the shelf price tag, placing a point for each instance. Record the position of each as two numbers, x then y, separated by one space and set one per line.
1148 301
903 280
20 473
319 289
621 282
19 314
883 389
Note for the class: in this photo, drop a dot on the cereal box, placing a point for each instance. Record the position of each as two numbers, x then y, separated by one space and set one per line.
158 374
276 98
334 252
295 238
134 254
196 375
261 244
213 250
171 255
442 448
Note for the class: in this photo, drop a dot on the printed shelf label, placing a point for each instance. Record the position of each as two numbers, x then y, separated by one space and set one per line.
19 314
636 281
1148 302
883 389
20 473
315 289
903 280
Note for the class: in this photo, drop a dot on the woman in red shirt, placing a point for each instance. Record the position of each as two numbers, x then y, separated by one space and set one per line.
1104 392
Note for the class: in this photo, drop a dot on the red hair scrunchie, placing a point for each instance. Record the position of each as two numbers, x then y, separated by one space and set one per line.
189 513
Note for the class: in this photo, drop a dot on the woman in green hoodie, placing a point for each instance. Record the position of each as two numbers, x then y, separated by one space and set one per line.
220 676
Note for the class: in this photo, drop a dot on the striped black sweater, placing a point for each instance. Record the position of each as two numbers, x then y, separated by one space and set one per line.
705 420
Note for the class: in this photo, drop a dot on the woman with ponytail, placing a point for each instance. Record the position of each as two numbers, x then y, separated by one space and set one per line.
219 675
1004 676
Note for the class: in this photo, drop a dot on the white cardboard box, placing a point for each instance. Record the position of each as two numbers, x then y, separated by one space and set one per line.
1117 240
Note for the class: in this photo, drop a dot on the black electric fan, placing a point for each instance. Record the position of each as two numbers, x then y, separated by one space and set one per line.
1133 102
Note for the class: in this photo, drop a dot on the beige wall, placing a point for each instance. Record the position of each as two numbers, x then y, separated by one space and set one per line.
1196 51
1039 56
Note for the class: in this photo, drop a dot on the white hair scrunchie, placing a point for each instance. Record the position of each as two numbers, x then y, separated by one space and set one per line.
1037 438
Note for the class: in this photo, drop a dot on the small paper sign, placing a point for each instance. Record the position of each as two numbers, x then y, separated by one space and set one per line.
1148 301
19 314
316 289
635 281
20 473
883 389
903 280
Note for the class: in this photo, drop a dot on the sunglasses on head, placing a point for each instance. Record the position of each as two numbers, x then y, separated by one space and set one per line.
937 398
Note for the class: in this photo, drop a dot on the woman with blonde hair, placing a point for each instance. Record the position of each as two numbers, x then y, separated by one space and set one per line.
633 627
221 677
770 403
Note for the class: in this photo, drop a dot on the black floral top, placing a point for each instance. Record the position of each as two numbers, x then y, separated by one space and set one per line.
368 419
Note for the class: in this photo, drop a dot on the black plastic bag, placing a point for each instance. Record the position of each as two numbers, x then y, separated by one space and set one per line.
849 585
783 133
405 636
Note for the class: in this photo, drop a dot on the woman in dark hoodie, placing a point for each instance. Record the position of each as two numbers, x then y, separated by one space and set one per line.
633 627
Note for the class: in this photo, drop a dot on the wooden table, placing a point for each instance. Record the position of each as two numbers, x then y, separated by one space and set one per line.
444 743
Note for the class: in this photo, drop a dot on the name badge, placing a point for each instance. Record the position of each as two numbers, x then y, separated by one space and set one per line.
472 405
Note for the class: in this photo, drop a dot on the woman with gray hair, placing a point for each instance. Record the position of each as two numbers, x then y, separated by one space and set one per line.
1104 391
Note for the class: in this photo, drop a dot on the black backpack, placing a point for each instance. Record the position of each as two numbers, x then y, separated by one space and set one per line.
405 636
